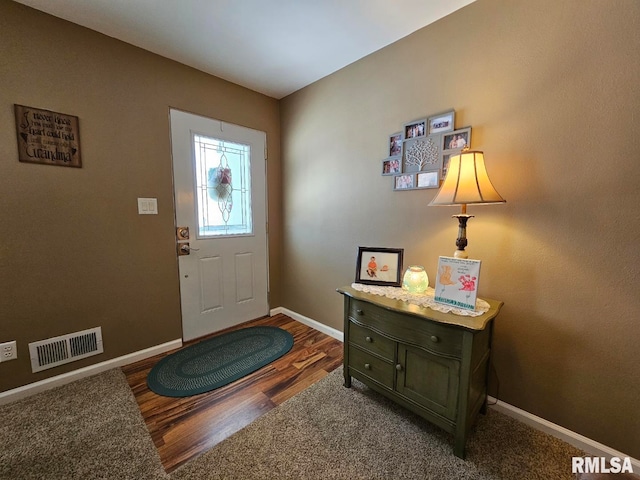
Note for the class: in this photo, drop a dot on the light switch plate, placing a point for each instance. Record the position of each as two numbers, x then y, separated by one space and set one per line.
148 206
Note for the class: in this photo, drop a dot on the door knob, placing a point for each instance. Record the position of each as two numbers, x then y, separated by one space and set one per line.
186 249
182 233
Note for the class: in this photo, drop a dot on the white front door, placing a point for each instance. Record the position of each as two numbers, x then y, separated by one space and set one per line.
220 195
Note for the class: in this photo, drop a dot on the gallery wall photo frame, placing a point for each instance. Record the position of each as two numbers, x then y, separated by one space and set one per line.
405 181
456 140
392 166
445 158
441 123
379 266
395 144
428 179
417 181
415 129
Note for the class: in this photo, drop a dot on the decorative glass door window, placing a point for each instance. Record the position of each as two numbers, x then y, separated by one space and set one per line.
222 187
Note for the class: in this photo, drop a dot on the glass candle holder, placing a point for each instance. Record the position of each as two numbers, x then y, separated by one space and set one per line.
415 280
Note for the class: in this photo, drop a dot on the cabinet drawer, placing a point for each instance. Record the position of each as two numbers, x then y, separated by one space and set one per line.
437 337
372 341
371 366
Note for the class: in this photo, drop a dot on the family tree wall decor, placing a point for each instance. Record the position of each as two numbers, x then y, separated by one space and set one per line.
418 156
421 154
47 137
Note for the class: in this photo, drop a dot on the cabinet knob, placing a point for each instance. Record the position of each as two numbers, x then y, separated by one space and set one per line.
434 339
399 367
368 339
367 366
359 311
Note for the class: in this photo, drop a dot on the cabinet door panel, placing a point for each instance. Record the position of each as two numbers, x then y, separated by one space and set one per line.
429 380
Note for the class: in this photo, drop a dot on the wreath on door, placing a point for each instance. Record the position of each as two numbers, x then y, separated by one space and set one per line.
219 183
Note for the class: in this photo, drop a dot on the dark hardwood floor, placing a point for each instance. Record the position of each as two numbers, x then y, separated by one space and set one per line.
182 428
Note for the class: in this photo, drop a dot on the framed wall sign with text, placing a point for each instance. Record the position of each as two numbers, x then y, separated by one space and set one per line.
47 137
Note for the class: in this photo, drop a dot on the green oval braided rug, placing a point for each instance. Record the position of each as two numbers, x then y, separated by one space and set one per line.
217 361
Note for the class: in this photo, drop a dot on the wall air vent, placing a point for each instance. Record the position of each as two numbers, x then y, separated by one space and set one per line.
56 351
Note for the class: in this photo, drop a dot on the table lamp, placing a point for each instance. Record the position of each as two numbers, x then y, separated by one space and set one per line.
466 182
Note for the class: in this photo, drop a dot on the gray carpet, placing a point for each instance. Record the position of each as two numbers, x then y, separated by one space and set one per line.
92 429
88 429
331 432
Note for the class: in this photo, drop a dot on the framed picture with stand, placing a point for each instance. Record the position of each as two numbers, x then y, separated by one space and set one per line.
457 282
379 266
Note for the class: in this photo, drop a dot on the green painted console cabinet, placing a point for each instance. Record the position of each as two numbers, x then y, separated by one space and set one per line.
434 364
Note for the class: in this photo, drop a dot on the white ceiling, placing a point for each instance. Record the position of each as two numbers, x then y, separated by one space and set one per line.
272 46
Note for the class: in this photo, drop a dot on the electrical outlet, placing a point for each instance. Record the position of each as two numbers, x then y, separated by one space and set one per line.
8 351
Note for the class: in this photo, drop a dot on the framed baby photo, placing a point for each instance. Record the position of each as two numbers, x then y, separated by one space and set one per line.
442 122
415 129
391 166
395 144
404 182
457 140
379 266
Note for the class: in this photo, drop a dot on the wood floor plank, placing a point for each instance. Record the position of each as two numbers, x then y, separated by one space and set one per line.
182 428
201 432
297 387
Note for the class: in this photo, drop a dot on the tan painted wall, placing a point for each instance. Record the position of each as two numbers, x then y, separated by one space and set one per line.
551 91
74 253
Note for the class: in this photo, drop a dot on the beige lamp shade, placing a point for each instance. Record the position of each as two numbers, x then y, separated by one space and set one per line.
467 182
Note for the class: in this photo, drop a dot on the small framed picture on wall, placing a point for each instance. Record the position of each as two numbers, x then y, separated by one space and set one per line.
457 140
415 129
442 122
404 182
446 156
427 179
391 166
395 144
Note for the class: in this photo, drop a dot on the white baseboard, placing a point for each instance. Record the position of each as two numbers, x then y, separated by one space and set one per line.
579 441
321 327
58 380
